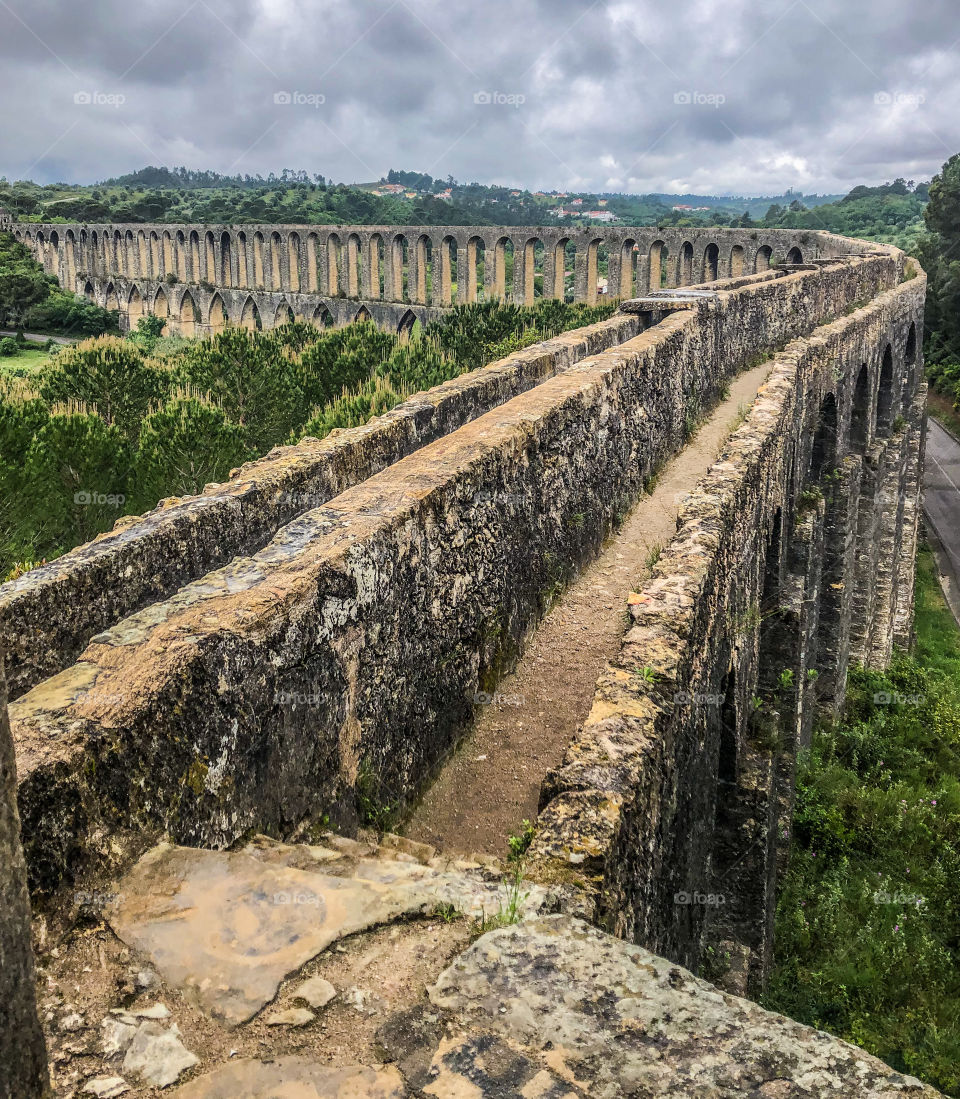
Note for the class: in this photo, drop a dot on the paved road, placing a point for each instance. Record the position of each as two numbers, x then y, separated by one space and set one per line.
941 505
35 337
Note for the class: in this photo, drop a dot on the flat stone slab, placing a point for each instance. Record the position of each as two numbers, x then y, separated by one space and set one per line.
555 1008
228 926
294 1078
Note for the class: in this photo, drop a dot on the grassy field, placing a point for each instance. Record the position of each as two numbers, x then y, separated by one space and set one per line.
26 363
868 919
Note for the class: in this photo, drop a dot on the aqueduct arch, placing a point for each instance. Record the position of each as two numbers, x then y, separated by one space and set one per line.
388 268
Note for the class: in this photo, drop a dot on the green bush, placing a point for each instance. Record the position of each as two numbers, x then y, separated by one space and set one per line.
8 346
70 315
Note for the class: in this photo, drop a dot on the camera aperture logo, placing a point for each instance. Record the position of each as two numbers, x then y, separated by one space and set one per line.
299 99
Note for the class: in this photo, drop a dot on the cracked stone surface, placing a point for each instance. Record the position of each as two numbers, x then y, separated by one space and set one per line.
294 1078
555 1008
227 927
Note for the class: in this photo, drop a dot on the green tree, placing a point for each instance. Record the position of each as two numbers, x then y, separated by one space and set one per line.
253 379
183 446
76 473
22 281
110 374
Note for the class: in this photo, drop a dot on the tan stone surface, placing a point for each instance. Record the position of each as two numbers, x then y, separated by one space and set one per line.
294 1078
227 927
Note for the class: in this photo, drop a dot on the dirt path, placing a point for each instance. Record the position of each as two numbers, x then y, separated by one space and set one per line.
493 782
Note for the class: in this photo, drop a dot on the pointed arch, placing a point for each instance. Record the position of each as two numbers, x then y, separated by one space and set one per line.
405 326
161 304
363 314
322 317
217 318
283 315
111 300
188 313
134 306
250 316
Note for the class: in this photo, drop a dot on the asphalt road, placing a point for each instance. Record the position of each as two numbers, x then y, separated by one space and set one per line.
941 506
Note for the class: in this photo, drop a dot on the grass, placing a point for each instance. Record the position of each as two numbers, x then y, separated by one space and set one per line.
512 902
27 363
868 919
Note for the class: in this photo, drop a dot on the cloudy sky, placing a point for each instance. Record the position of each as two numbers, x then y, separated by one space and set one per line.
739 96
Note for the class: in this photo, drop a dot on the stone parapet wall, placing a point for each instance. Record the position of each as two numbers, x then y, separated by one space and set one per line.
335 666
793 557
49 614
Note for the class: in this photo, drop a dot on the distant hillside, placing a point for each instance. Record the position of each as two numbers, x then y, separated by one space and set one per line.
891 212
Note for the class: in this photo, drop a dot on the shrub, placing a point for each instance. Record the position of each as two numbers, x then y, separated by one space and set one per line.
8 346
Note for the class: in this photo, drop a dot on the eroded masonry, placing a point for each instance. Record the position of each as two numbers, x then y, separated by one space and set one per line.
283 652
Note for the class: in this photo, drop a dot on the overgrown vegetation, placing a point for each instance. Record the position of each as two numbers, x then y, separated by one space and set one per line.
868 920
110 426
31 299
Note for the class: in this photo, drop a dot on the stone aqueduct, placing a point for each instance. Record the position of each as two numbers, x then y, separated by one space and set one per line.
203 277
246 659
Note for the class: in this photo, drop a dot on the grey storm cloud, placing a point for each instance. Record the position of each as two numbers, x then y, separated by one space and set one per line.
614 95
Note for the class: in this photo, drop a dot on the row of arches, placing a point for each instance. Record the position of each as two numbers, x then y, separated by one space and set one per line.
190 314
417 266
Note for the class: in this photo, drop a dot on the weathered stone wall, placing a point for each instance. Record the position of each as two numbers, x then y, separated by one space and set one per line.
23 1056
202 277
345 655
49 614
794 556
